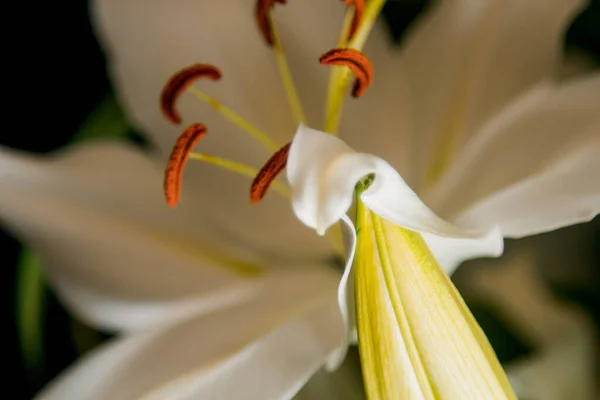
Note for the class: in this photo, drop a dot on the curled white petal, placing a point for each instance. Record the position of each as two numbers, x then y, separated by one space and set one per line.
323 171
346 294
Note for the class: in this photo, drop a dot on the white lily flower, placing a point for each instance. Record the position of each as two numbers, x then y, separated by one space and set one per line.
461 136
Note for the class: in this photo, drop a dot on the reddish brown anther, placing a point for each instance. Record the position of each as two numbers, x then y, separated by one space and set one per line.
359 6
263 8
268 173
181 81
179 156
358 63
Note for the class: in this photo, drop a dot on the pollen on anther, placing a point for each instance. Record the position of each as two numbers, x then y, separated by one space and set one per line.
181 81
179 156
268 173
263 8
358 11
358 63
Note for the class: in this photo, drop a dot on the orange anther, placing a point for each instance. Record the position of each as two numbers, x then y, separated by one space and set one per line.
263 8
179 156
179 82
358 63
268 173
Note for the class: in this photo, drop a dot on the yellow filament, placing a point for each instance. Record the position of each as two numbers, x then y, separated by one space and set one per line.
241 169
339 81
336 72
347 24
286 75
231 115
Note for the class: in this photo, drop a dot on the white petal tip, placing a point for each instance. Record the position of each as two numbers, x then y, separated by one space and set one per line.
336 358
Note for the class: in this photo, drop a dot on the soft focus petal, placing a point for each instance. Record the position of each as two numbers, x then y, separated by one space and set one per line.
567 366
119 256
534 168
266 348
533 132
576 63
323 172
562 334
148 41
466 59
563 194
345 383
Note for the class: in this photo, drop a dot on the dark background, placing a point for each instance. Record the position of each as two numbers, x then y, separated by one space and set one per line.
55 75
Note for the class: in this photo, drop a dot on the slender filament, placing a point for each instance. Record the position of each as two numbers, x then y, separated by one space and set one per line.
286 75
231 115
341 80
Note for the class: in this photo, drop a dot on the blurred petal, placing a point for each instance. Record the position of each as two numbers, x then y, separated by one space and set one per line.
266 348
562 333
576 63
567 366
563 194
540 153
120 257
345 383
323 172
467 59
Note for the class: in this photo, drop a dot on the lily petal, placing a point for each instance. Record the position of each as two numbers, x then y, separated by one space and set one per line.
119 256
345 383
489 52
323 171
562 333
265 348
533 168
346 294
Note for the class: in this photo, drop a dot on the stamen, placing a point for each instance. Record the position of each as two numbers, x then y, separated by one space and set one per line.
181 81
340 77
358 63
263 8
267 174
358 11
268 27
181 151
